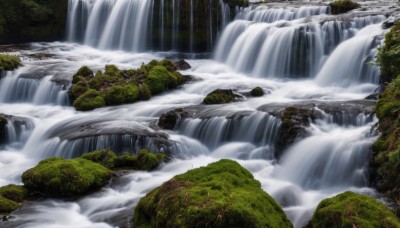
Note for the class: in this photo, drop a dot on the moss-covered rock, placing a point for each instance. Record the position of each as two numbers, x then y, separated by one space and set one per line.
14 192
9 62
219 96
7 206
32 20
385 165
104 157
59 177
257 92
353 210
145 160
223 194
343 6
116 87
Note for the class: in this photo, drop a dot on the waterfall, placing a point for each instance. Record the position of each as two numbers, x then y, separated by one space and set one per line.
140 25
296 49
18 130
14 88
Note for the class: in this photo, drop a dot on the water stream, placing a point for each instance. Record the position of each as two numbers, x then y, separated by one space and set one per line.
300 55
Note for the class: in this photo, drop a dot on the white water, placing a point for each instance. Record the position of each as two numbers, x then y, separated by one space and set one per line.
332 159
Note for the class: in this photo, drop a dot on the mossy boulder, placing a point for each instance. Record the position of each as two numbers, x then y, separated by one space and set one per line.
60 177
14 192
32 20
7 206
389 55
9 62
219 96
116 87
257 92
222 194
145 160
350 209
343 6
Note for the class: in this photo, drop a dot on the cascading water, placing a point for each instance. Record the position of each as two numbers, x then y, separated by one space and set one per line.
326 54
134 25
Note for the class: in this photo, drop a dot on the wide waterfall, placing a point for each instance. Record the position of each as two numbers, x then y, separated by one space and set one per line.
314 68
139 25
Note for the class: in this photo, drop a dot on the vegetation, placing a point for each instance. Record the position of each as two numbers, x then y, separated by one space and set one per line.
116 87
257 92
223 194
59 177
14 192
353 210
343 6
32 20
145 160
9 62
386 150
7 206
219 96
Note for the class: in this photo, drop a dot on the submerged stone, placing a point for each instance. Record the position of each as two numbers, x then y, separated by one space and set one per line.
222 194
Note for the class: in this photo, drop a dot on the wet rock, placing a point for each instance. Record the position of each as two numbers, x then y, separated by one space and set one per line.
171 118
19 126
219 96
257 92
222 194
182 65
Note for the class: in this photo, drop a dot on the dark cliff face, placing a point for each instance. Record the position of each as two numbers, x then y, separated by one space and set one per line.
32 20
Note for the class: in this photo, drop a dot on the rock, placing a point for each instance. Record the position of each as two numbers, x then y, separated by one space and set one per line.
7 206
373 96
222 194
219 96
182 65
257 92
58 177
294 124
14 192
9 62
145 160
352 210
343 6
170 119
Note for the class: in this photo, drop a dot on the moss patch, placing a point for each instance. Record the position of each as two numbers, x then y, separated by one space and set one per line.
343 6
14 192
145 160
59 177
223 194
7 206
219 96
9 62
353 210
257 92
116 87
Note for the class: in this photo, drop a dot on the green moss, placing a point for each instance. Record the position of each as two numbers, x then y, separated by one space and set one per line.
343 6
116 87
59 177
3 120
84 72
7 206
126 161
147 160
389 55
223 194
104 157
90 100
257 92
9 62
353 210
14 192
219 96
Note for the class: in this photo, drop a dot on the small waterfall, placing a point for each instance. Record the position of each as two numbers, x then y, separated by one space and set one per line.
269 15
139 25
14 88
294 49
258 128
18 130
